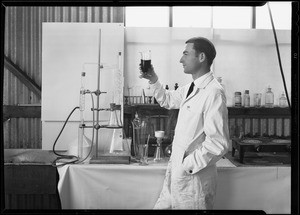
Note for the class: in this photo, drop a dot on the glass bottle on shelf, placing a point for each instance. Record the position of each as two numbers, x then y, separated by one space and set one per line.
282 100
269 99
237 99
246 99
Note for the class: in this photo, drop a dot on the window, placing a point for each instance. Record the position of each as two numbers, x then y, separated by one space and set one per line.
147 16
232 17
210 17
192 17
281 13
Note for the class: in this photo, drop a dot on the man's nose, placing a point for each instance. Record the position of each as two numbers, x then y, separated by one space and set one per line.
181 61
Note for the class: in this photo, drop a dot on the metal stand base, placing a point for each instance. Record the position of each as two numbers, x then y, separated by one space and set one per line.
110 159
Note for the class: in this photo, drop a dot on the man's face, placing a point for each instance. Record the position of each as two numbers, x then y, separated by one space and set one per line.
189 60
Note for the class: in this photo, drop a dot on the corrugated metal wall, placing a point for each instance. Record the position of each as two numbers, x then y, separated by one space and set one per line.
23 45
32 201
30 186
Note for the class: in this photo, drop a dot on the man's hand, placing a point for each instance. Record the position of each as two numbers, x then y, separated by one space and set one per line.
150 75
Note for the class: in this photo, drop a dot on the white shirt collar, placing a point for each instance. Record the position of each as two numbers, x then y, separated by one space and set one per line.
201 80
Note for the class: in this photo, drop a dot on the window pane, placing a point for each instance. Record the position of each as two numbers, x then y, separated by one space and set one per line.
192 17
281 13
147 16
232 17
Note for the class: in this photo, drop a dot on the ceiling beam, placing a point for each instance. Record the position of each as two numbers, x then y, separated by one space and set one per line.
23 77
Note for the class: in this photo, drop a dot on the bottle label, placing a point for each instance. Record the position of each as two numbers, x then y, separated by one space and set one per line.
238 101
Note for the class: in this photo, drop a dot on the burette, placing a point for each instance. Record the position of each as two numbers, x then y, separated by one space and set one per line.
81 109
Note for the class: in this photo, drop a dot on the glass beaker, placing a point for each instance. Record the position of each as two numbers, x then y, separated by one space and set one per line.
257 99
143 150
145 60
140 140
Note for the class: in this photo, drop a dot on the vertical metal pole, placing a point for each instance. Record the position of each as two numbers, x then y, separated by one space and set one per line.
171 16
98 93
253 20
122 89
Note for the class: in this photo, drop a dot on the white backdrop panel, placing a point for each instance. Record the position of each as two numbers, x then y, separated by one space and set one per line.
68 49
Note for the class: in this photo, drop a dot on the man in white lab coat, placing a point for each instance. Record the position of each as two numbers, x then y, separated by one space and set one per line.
201 134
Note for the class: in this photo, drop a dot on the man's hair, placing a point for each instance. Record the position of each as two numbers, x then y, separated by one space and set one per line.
202 44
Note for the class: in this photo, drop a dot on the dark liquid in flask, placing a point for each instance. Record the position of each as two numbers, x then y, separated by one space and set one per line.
145 65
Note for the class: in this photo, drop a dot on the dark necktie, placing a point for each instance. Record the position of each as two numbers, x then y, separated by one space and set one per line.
190 89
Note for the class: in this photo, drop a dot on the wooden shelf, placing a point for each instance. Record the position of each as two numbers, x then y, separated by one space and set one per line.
166 119
259 112
234 112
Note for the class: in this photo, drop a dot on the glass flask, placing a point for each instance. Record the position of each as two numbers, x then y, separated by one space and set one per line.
115 116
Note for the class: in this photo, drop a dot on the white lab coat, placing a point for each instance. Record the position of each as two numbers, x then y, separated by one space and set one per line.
201 139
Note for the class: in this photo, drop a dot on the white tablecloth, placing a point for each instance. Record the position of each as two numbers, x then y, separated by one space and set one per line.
121 186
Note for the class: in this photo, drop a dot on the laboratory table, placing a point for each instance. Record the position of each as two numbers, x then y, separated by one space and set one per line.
264 145
123 186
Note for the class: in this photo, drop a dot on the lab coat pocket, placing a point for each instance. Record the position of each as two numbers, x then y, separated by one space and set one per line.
178 171
182 186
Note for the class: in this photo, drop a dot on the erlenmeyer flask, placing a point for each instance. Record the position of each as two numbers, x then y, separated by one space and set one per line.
115 116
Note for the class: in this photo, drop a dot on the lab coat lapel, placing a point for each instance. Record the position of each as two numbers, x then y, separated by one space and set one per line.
195 91
200 86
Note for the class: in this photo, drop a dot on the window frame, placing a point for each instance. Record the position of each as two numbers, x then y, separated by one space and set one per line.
253 18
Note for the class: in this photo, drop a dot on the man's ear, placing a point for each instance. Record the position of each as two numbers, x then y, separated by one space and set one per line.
202 57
